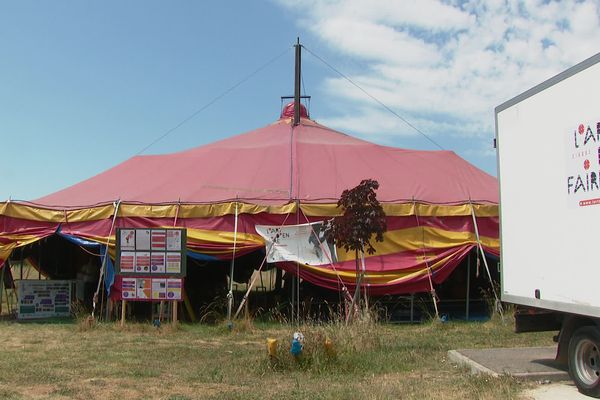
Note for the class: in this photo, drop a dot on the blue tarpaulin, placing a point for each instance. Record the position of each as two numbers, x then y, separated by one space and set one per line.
109 271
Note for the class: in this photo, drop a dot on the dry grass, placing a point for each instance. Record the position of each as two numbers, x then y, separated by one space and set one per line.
370 361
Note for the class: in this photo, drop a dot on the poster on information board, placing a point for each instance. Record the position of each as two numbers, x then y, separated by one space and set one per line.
44 299
151 289
154 252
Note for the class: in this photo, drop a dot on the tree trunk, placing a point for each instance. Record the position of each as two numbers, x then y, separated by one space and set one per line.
356 297
357 290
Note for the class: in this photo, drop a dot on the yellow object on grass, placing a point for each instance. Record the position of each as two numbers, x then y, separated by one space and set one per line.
272 347
329 347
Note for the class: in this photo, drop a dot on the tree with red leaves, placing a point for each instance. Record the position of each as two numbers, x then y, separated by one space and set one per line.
363 219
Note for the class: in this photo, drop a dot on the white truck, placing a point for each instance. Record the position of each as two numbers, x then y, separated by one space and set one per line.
548 147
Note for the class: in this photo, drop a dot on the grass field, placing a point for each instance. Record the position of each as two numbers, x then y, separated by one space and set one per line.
370 361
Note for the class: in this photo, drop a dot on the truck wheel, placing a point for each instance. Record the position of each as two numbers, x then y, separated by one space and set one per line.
584 360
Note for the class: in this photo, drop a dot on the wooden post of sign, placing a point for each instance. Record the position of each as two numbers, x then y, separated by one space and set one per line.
175 312
123 305
160 310
111 308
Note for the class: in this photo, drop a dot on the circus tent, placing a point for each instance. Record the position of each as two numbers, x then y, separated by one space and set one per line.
438 206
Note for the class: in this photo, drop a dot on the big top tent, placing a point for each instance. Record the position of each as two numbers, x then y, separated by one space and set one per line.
438 206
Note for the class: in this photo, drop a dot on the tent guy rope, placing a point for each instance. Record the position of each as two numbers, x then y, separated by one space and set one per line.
381 103
103 267
431 288
485 263
251 285
230 293
214 100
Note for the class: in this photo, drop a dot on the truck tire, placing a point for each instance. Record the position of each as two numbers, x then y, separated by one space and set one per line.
584 360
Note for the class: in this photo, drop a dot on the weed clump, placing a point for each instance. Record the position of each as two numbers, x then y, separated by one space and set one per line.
328 347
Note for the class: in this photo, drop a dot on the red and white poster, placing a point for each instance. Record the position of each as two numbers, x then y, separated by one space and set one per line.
127 261
159 240
142 262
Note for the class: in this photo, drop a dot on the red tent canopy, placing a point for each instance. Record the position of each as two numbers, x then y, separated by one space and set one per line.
275 164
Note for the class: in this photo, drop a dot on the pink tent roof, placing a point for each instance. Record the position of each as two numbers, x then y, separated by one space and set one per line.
279 162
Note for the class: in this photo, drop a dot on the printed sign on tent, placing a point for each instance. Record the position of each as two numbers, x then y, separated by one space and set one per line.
305 243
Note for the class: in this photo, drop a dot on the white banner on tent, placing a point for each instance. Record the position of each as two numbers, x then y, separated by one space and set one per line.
303 243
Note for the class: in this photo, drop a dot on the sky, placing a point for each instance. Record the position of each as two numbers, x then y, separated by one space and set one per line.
87 85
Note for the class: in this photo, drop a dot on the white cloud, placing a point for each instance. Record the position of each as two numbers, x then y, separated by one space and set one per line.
356 38
385 126
436 61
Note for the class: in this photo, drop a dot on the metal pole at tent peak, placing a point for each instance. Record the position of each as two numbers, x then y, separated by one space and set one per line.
297 82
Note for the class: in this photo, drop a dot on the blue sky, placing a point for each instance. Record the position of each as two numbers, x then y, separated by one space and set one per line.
86 85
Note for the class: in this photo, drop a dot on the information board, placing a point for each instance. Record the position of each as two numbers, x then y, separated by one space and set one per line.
158 252
151 262
44 299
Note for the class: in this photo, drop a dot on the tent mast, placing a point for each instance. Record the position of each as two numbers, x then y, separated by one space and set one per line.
297 81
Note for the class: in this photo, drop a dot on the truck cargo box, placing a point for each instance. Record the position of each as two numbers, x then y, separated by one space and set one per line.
548 143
